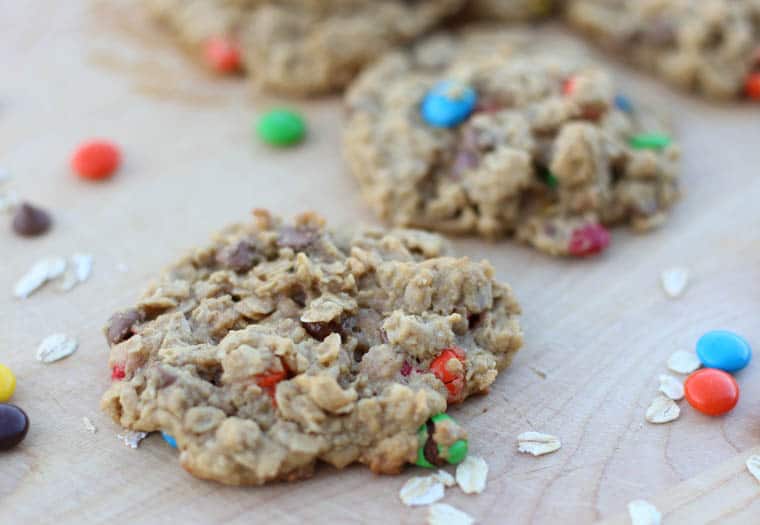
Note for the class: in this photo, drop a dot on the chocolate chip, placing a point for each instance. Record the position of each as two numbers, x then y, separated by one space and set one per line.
430 451
14 424
239 258
121 326
473 320
296 238
320 330
30 221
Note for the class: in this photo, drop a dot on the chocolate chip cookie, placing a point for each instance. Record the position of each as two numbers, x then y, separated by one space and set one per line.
495 133
708 46
510 10
301 46
278 346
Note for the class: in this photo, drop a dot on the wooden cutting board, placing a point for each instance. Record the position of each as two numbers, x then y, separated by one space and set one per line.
598 332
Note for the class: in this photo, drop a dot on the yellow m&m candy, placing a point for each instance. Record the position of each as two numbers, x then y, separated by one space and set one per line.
7 383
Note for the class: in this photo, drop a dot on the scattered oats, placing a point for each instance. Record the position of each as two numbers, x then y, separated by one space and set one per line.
79 270
753 465
671 387
537 443
674 281
88 425
131 438
421 491
683 362
662 410
643 513
444 514
123 268
8 201
55 347
540 373
471 475
445 478
41 272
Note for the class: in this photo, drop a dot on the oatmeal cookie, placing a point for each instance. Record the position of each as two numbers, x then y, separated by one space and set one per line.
510 10
278 346
485 132
302 47
708 46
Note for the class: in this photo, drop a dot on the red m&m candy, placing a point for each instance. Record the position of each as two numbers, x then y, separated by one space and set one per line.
752 86
96 159
711 391
222 54
588 240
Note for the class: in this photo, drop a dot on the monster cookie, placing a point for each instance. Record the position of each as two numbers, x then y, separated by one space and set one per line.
486 133
280 345
709 46
299 46
510 10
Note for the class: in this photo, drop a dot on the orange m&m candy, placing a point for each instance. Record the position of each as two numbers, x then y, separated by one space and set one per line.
711 391
222 54
451 376
96 159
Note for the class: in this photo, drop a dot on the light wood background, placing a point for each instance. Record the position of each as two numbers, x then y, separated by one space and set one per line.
600 330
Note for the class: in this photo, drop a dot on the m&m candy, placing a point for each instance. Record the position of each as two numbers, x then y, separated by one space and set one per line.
448 366
14 424
655 141
222 54
623 103
723 350
711 391
590 239
432 454
448 104
281 127
96 159
7 383
169 439
752 86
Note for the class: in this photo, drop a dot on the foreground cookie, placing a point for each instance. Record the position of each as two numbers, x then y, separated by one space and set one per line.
709 46
510 10
299 47
278 346
485 133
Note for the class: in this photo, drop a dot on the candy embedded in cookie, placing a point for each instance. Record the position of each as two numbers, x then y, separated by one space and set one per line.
496 134
279 346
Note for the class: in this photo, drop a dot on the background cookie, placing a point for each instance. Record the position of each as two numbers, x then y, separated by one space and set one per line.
708 46
487 133
510 10
301 47
277 346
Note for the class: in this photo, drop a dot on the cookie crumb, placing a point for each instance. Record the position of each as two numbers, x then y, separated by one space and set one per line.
537 444
662 410
41 272
683 362
753 465
674 281
56 347
445 514
644 513
671 387
92 429
471 475
132 438
421 491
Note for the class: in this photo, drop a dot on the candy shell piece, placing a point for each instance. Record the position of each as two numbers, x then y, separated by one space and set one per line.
169 439
448 104
723 350
711 391
7 383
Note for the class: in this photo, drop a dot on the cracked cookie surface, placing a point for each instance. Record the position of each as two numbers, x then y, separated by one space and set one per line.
278 346
708 46
545 155
510 10
302 47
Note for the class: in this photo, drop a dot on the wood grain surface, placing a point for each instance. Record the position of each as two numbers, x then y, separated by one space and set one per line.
598 332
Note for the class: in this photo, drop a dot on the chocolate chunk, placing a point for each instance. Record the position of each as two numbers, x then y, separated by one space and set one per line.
430 451
320 330
30 221
121 326
241 258
296 238
473 320
14 424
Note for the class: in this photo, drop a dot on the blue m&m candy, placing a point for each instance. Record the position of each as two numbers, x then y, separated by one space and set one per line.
169 439
723 350
448 104
623 103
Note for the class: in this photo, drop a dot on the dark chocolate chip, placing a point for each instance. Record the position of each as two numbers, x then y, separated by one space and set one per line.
430 451
14 424
241 258
320 330
296 238
121 326
473 320
30 221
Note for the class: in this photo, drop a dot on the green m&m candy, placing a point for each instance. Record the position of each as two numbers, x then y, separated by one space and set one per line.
432 454
281 127
650 141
